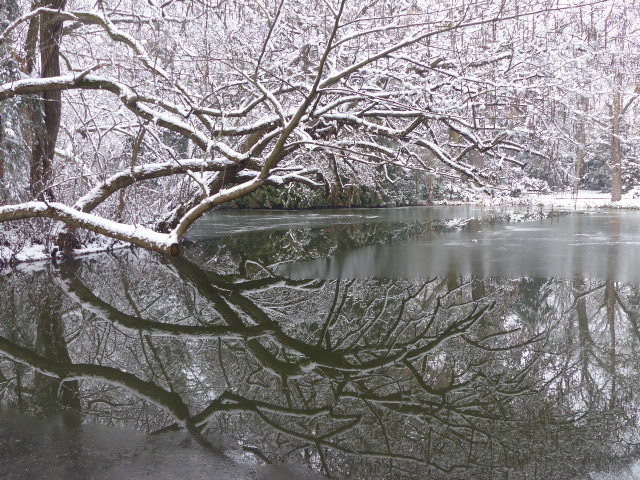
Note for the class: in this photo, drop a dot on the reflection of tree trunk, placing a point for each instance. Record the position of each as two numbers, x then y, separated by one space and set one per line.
11 330
478 290
584 337
51 344
48 125
610 299
616 150
452 276
2 155
429 231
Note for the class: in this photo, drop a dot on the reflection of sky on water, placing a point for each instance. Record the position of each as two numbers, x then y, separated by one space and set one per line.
602 245
230 222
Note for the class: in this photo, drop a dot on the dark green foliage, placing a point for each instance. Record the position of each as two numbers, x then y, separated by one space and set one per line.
630 174
404 192
597 172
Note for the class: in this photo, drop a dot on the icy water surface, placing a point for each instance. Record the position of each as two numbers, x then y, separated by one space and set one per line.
595 245
364 344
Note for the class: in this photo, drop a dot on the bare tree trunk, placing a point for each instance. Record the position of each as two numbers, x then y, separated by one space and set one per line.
616 150
429 182
31 42
581 139
47 133
337 191
429 179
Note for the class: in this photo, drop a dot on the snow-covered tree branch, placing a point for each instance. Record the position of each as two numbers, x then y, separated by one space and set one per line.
165 119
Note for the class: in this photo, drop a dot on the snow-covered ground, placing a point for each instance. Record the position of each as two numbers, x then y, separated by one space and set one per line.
36 255
585 200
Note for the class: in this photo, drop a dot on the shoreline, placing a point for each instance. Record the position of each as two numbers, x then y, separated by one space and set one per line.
34 254
585 200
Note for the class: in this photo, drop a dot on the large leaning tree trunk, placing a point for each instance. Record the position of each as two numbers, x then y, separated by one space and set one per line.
215 183
47 121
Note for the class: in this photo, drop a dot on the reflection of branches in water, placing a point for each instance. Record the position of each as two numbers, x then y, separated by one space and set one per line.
76 290
361 378
271 248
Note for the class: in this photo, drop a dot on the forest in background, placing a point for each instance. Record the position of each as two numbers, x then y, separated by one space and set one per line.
130 120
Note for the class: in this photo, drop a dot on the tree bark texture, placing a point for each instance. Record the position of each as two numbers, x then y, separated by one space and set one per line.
47 121
581 140
616 149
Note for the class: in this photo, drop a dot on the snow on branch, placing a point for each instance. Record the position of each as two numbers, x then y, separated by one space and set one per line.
125 178
134 102
136 234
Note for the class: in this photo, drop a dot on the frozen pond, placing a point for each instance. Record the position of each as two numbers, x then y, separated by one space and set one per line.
366 344
597 245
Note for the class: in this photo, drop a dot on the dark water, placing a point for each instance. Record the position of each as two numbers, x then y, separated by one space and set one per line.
366 344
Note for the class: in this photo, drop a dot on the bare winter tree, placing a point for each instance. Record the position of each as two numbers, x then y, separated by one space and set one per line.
172 111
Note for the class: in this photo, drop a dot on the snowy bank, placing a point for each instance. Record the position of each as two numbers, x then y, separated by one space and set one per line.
585 200
37 255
